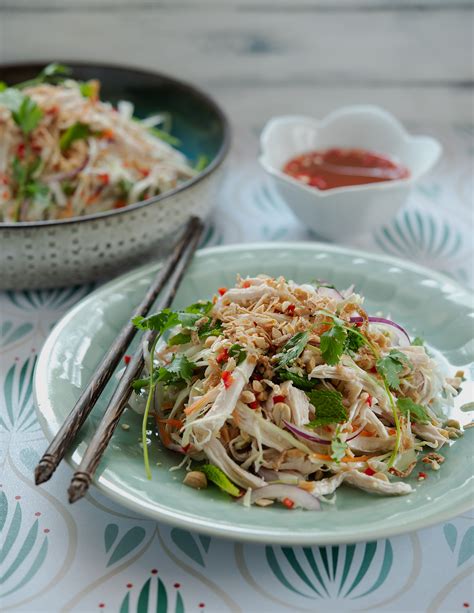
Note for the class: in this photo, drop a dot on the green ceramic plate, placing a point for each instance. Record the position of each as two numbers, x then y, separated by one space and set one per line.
426 303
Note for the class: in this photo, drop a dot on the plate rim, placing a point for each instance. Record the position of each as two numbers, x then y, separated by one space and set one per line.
201 525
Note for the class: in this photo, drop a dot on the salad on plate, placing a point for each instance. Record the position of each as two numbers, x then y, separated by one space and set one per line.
282 392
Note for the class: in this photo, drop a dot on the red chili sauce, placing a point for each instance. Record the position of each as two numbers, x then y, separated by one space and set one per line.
341 167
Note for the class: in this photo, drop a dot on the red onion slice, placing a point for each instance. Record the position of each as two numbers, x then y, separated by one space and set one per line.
64 176
300 497
309 436
387 322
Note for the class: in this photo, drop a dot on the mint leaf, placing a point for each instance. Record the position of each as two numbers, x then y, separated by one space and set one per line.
390 367
217 476
238 352
300 381
78 131
338 447
417 411
292 349
328 408
332 344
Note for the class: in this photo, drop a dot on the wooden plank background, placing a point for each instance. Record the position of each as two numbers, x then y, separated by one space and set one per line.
266 57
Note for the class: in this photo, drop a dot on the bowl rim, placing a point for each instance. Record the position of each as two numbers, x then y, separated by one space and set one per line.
278 120
180 84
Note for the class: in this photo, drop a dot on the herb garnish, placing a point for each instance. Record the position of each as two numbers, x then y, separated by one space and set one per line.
338 447
292 349
217 476
300 381
165 136
202 163
238 352
78 131
417 342
25 112
52 73
328 408
390 367
417 412
333 343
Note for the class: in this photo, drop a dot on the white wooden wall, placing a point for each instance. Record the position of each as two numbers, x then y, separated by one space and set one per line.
263 57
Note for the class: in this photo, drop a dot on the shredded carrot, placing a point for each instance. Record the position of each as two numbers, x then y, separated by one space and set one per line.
361 458
175 423
366 433
200 402
165 437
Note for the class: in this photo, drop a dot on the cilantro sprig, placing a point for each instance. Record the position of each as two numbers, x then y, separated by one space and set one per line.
416 412
391 366
340 338
335 342
24 110
328 408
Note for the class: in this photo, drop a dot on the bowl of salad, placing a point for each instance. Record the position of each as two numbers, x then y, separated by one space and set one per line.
98 165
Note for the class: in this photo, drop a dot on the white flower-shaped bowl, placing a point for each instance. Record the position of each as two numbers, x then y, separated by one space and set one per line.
343 212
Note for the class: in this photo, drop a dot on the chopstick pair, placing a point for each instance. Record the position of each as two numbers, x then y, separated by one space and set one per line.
172 271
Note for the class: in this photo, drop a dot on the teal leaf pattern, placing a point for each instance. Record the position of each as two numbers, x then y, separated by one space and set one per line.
466 550
451 535
425 238
29 458
188 544
110 534
205 541
21 557
153 596
130 541
61 298
10 333
18 398
352 572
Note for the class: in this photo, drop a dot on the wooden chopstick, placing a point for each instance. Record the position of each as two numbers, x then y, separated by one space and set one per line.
72 424
83 476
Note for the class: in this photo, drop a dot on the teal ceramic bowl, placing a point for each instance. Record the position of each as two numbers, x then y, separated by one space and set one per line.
52 253
426 303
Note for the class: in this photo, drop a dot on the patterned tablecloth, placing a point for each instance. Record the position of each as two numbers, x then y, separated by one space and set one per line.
96 555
